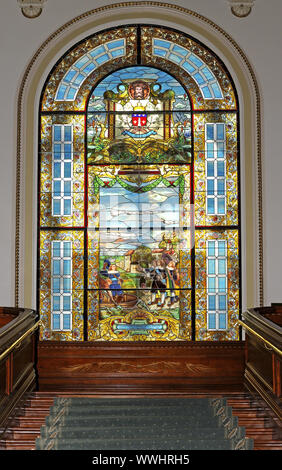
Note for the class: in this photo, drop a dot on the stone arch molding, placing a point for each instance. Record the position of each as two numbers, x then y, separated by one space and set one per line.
35 74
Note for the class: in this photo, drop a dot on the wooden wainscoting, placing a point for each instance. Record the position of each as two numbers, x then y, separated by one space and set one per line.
141 368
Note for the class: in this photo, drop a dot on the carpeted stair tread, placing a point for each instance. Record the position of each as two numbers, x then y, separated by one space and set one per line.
132 419
173 411
140 444
79 401
128 432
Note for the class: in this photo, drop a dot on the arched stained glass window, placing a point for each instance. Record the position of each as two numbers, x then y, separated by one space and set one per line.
139 236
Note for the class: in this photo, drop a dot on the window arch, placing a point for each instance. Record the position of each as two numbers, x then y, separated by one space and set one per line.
136 122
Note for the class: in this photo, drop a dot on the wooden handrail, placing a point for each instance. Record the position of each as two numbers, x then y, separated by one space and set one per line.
274 348
19 340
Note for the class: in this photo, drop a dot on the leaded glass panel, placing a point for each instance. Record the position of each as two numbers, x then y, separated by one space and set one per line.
139 209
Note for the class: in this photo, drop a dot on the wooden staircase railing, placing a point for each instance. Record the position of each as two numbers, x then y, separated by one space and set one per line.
263 369
18 331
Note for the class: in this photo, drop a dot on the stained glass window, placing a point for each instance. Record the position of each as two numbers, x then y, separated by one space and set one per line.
139 236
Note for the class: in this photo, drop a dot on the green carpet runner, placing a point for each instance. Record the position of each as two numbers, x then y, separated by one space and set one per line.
142 424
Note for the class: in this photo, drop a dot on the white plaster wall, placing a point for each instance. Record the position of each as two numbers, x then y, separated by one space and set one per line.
259 35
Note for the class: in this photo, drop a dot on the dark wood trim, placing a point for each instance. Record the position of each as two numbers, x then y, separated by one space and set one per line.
162 368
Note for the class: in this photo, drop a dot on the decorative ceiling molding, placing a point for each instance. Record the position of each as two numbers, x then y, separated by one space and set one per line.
31 8
241 8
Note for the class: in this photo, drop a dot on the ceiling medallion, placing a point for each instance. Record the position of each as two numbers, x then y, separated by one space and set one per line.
31 8
241 8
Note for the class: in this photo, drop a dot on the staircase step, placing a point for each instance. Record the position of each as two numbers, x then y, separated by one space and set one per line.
137 444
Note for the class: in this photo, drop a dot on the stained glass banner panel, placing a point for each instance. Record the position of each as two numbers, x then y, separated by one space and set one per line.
217 285
139 115
142 238
62 171
61 285
215 169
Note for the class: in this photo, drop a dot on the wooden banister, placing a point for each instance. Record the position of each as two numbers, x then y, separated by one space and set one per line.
264 353
18 331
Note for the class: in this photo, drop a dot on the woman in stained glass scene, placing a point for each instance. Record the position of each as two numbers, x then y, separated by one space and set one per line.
115 286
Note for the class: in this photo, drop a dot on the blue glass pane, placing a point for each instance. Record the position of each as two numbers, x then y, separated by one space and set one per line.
102 59
188 67
211 302
220 187
114 44
117 52
216 90
160 52
211 248
210 169
220 131
220 150
210 187
68 133
56 322
195 60
66 303
56 207
97 51
56 249
206 92
180 50
67 170
222 302
210 132
66 322
82 62
67 267
220 169
56 303
198 77
211 321
211 285
221 284
211 266
67 207
71 93
61 92
57 151
79 79
221 206
88 69
57 188
67 150
67 249
160 43
221 266
222 321
56 285
221 248
207 73
67 188
67 285
56 267
57 133
211 206
210 149
175 58
69 76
